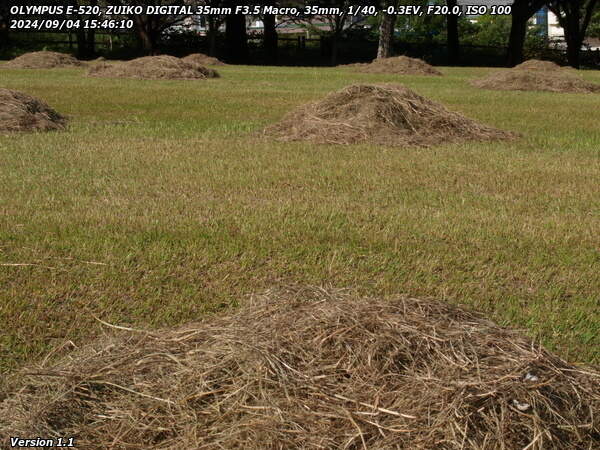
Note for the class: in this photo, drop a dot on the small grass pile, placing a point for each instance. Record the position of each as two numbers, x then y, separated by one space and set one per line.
153 68
203 60
43 60
400 65
536 75
384 114
313 368
21 112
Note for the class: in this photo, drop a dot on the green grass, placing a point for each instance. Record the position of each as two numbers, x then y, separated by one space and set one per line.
161 204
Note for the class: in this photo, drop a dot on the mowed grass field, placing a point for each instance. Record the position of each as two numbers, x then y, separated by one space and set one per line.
162 204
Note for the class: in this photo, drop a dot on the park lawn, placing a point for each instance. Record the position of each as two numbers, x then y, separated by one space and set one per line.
162 203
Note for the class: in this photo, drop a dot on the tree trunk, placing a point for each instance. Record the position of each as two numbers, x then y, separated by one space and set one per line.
213 29
144 34
91 36
574 52
82 45
386 36
335 46
522 10
516 41
574 39
91 43
270 37
146 41
3 36
4 24
574 36
452 39
236 39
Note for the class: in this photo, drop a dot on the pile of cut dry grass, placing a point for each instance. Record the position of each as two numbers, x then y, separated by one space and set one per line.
203 60
43 60
154 68
21 112
381 114
313 368
400 65
537 64
535 75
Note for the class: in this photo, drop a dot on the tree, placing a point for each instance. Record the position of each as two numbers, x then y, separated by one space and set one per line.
86 39
236 38
338 24
270 37
594 27
452 39
4 23
490 30
213 24
150 27
574 17
522 11
386 32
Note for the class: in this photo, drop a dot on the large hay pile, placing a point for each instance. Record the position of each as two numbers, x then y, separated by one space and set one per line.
535 75
203 60
21 112
381 114
314 369
153 67
401 65
43 60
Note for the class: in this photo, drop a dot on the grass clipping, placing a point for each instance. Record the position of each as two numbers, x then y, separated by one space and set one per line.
402 65
382 114
21 112
43 60
537 64
313 368
203 60
536 75
153 68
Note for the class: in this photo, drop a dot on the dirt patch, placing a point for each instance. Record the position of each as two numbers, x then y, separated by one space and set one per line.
153 68
313 368
400 65
43 60
203 60
21 112
382 114
534 75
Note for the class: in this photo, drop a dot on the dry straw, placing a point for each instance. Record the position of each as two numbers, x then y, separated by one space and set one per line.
537 64
153 67
535 75
43 60
309 368
21 112
381 114
400 65
203 60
